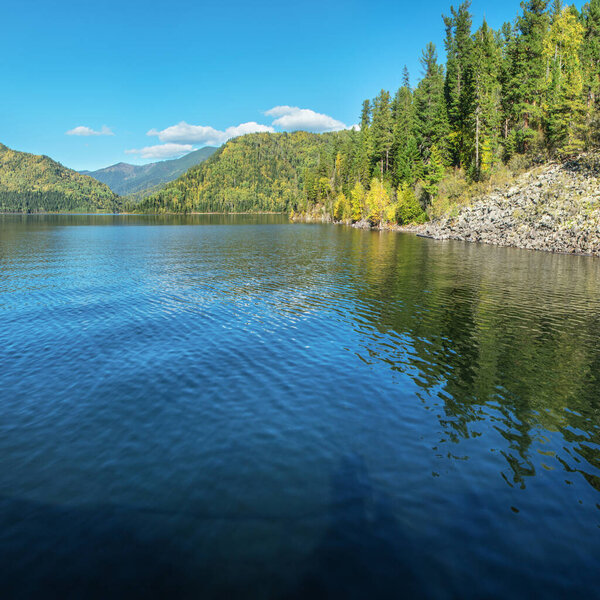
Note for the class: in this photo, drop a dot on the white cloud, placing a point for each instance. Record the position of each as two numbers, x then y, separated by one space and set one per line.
207 136
292 118
183 137
86 131
162 151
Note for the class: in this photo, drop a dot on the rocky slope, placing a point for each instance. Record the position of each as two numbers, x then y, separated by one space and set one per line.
554 208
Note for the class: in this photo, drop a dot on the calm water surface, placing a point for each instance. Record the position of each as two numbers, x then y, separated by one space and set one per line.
219 407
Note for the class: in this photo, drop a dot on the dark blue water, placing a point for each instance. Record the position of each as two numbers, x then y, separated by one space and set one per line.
219 407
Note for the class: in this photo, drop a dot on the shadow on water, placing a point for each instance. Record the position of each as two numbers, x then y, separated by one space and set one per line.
100 552
128 552
363 553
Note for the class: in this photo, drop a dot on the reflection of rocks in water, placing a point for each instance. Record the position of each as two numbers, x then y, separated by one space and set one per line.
364 553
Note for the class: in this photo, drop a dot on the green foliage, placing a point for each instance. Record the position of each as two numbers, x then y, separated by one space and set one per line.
564 97
31 183
510 97
408 208
434 172
256 172
342 209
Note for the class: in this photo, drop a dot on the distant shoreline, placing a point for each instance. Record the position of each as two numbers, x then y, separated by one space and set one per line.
134 214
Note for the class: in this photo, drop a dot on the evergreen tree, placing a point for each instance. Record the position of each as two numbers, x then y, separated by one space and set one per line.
408 209
403 130
590 59
459 79
529 70
484 118
431 125
409 164
564 97
381 131
434 172
365 149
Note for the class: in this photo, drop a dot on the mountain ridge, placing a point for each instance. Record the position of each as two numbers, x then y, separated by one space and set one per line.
37 183
125 178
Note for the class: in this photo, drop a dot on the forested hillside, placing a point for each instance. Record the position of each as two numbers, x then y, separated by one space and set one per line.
256 172
142 180
31 183
503 101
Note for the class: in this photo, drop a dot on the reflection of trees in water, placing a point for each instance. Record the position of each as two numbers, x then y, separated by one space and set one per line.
510 337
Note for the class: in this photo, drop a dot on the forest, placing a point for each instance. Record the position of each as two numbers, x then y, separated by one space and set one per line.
504 100
32 183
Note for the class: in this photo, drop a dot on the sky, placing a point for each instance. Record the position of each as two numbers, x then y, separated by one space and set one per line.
95 83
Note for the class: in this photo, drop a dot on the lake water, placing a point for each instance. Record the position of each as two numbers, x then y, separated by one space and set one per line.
226 407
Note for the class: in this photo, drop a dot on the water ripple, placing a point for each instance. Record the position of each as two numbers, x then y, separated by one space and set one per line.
260 402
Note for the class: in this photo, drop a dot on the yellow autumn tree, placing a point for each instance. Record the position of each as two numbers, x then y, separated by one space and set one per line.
378 202
357 209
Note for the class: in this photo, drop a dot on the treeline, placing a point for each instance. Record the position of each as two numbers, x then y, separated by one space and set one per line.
51 201
525 93
32 183
256 172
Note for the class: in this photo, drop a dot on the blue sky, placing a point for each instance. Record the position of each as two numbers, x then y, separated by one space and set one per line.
155 79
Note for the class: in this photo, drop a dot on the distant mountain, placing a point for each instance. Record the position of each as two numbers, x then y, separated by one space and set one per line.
125 179
32 183
254 172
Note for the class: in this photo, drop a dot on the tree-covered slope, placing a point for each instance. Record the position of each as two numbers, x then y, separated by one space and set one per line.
255 172
32 183
505 100
125 179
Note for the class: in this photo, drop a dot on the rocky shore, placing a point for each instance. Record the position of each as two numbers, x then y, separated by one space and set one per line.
554 208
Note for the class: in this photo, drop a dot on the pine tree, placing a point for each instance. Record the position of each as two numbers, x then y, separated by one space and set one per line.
485 115
381 131
408 209
564 96
431 126
507 43
409 164
435 172
403 116
365 149
458 83
529 70
590 59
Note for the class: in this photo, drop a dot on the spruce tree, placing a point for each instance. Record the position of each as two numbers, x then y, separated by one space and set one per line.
382 131
431 126
564 96
458 84
529 70
590 59
485 116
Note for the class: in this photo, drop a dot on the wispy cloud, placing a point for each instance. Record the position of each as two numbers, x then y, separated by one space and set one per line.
162 151
87 131
292 118
205 135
